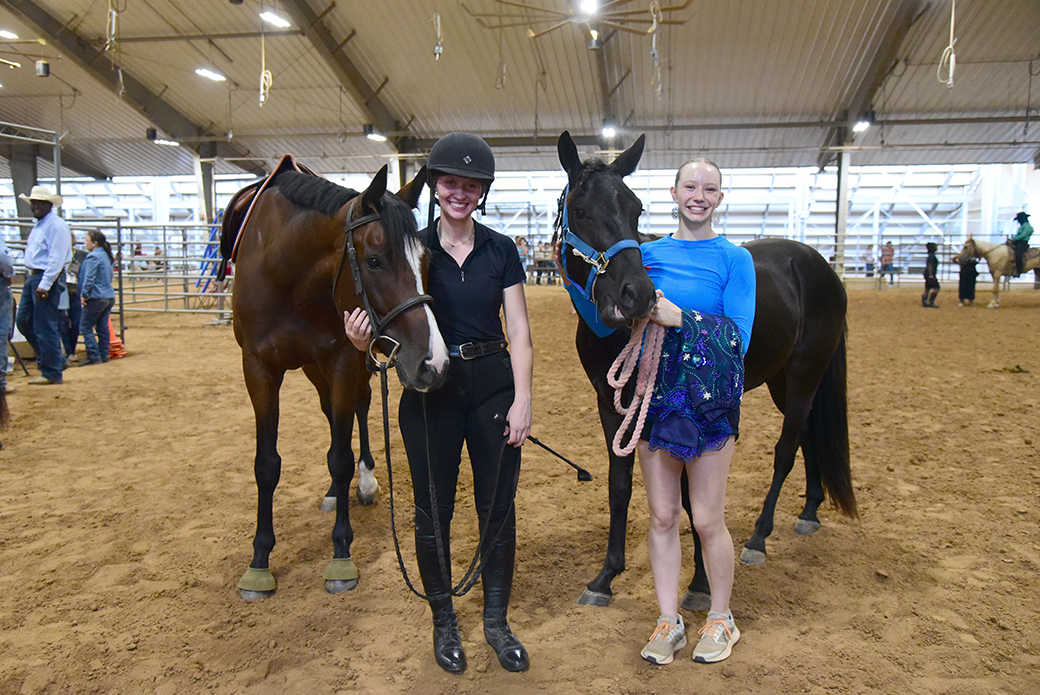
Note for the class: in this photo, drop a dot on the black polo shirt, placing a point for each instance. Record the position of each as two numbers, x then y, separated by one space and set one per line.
467 301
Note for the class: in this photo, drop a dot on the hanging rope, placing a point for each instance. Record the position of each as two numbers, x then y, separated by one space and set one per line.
649 337
266 79
948 60
655 56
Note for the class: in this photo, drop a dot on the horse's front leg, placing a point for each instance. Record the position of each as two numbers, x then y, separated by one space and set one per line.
598 592
995 304
263 385
337 390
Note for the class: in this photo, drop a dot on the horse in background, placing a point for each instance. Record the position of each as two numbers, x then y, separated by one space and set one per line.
308 251
1001 262
797 349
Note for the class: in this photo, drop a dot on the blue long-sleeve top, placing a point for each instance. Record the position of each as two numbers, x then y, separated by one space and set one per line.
95 276
49 248
714 276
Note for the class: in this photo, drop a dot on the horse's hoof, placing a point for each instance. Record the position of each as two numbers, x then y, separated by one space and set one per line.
593 598
338 587
341 575
328 504
805 527
696 601
367 498
257 584
752 557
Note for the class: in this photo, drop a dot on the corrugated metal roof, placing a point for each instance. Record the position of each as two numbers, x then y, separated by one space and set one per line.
731 64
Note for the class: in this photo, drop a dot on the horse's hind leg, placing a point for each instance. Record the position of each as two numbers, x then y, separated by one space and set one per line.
368 486
796 411
263 385
808 522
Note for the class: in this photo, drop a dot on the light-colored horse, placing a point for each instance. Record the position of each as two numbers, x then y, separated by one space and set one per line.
1000 260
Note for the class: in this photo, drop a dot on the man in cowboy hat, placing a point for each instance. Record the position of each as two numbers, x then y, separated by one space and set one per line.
47 253
1021 240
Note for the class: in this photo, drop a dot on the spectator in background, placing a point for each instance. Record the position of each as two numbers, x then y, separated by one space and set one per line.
888 260
69 321
97 296
159 262
868 260
47 252
966 283
6 308
931 277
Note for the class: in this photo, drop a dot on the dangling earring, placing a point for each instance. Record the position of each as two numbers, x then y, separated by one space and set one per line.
716 218
675 212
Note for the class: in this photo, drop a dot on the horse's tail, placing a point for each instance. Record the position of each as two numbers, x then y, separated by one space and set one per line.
827 432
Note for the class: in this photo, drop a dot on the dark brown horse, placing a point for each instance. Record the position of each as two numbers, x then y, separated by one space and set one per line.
309 251
797 349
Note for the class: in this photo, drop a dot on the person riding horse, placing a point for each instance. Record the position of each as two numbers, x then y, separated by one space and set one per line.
1020 241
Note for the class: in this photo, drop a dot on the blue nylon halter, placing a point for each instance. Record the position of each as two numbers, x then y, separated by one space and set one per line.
594 258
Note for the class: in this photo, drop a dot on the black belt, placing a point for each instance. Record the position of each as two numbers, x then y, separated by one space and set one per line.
36 272
471 351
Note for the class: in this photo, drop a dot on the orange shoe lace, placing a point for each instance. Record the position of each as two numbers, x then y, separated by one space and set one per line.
662 630
715 623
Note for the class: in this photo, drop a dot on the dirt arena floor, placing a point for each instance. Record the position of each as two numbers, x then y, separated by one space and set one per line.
127 510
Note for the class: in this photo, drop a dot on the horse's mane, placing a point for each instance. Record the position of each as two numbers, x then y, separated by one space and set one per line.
313 192
590 167
326 197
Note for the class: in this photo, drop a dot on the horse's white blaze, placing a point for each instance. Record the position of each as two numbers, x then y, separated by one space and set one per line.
438 350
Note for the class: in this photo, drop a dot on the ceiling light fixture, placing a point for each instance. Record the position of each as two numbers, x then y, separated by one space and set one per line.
274 20
608 129
589 7
210 75
865 122
5 34
372 134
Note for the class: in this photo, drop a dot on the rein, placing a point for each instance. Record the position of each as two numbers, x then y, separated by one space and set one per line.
643 347
597 260
378 324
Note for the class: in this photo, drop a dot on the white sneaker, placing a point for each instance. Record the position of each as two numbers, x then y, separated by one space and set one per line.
666 640
717 639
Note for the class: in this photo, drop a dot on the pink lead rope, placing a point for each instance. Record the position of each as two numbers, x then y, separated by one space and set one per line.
649 336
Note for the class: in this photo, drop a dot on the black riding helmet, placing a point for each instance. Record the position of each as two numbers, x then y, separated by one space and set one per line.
461 154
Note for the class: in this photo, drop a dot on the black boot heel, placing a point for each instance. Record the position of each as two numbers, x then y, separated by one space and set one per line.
511 653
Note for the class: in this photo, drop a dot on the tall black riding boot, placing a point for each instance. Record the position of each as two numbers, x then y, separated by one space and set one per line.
497 579
447 643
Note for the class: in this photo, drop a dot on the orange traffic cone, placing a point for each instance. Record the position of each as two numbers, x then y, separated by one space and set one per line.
115 347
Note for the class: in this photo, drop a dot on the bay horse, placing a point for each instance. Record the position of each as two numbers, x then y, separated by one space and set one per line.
797 349
308 251
1000 260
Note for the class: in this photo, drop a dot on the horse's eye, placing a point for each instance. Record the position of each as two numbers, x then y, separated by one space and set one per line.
373 262
578 212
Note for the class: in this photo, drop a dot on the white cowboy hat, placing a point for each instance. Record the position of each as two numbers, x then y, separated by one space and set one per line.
42 193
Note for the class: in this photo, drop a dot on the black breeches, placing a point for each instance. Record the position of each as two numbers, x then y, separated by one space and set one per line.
462 411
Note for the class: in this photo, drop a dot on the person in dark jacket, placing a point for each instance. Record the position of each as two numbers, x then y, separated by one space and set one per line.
931 277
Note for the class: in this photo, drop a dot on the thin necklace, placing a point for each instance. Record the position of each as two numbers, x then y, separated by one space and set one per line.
461 243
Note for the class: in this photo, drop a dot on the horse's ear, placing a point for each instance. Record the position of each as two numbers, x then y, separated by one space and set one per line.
568 151
373 195
413 189
626 162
